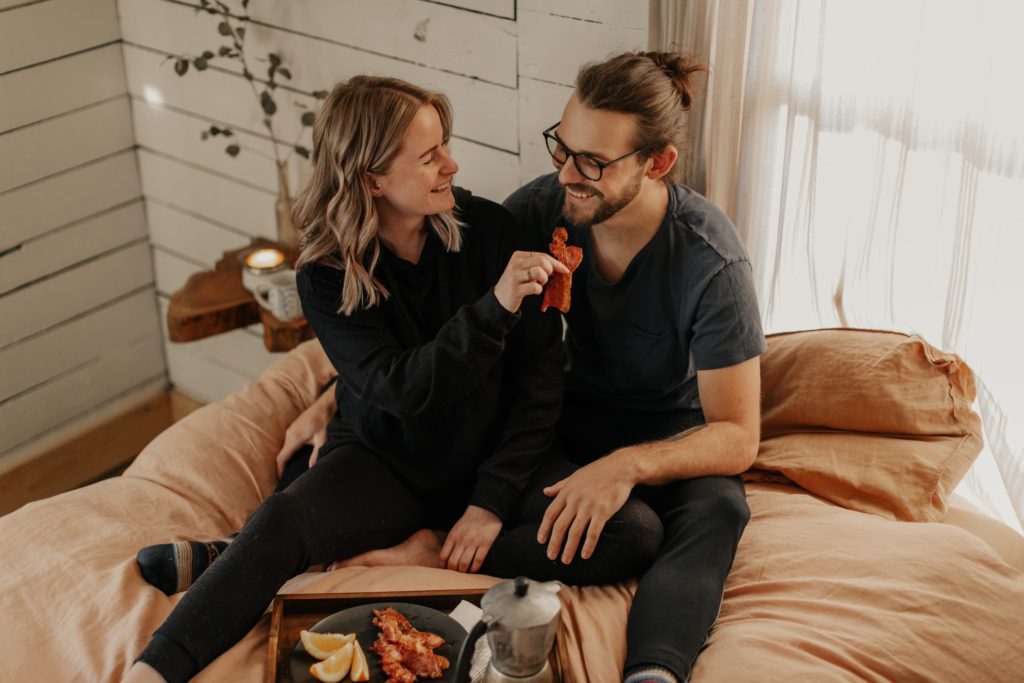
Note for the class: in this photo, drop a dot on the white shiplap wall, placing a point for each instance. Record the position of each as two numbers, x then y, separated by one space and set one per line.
507 65
105 139
79 333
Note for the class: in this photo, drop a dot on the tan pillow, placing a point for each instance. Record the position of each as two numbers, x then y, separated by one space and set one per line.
875 421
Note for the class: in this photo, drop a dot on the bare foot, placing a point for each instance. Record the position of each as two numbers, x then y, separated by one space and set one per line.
422 549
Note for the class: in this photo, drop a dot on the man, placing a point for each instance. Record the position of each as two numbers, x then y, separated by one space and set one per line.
664 334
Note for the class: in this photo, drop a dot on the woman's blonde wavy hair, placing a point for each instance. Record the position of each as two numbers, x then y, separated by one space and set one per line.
359 131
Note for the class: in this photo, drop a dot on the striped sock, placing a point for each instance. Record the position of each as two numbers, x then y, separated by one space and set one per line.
650 674
173 567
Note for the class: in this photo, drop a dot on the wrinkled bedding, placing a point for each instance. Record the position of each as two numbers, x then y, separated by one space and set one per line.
818 592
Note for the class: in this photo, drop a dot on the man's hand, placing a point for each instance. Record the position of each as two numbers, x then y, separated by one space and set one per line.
309 427
584 502
469 540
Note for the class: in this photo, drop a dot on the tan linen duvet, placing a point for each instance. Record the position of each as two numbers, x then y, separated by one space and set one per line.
818 592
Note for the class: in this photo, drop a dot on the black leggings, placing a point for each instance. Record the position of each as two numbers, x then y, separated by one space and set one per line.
678 599
351 502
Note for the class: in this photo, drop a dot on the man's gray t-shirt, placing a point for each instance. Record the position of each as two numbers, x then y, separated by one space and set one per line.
686 302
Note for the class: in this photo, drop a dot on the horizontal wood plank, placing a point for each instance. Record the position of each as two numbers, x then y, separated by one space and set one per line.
198 240
28 311
629 13
485 112
77 342
120 369
178 135
100 448
200 377
68 197
171 272
210 369
64 142
505 9
60 86
99 414
7 4
543 37
217 95
73 244
445 38
486 171
214 197
47 30
541 105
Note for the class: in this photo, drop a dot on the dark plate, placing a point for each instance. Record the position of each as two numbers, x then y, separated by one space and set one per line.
358 620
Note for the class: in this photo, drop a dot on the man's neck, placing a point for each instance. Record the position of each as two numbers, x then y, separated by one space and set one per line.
621 237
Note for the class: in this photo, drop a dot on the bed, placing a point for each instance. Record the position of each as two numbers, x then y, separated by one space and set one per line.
853 567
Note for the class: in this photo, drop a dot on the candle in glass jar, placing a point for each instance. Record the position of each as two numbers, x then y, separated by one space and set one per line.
264 261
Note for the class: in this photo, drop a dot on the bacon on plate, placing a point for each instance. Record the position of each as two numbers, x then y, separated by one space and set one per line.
406 652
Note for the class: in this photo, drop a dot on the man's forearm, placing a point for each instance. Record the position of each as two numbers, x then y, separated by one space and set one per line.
717 448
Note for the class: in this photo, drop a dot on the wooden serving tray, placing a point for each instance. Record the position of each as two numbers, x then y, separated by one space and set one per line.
292 612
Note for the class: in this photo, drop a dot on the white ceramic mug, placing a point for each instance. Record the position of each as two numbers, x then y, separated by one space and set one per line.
278 294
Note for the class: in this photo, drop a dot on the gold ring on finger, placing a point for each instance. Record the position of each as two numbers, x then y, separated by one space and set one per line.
526 271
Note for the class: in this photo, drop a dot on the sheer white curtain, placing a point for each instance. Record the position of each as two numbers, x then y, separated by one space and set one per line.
872 155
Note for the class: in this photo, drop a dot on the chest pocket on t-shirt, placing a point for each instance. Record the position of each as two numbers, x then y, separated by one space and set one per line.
651 361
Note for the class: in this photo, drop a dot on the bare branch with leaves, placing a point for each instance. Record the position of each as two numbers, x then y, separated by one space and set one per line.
232 26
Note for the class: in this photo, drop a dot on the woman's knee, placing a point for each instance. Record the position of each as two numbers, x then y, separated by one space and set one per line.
279 519
636 532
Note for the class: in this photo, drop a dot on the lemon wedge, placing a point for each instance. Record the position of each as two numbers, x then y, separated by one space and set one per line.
335 667
360 669
323 645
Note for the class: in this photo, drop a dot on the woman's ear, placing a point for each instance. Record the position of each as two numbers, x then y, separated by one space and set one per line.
374 183
662 162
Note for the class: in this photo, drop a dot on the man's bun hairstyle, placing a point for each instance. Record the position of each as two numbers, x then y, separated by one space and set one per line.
657 87
678 67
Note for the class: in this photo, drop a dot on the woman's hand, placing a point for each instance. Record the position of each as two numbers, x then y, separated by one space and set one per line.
469 540
526 274
309 427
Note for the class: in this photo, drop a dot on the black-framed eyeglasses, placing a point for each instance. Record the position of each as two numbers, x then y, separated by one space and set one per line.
589 167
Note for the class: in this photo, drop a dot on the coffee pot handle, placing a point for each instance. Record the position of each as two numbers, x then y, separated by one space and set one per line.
465 661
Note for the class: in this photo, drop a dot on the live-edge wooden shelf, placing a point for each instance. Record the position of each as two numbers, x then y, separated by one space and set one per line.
214 301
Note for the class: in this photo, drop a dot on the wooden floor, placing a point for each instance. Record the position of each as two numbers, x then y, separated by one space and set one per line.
103 451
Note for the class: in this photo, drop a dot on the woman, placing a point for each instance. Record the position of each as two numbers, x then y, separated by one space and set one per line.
449 384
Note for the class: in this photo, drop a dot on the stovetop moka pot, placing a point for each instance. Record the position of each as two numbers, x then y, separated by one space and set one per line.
520 618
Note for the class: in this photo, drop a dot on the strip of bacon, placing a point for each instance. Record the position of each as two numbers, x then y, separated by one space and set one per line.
558 291
406 652
391 662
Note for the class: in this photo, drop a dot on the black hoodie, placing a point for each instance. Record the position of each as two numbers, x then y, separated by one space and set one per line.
439 380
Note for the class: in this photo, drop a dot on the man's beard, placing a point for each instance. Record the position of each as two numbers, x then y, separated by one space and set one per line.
605 208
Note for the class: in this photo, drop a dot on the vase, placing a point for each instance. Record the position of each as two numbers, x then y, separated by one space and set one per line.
287 235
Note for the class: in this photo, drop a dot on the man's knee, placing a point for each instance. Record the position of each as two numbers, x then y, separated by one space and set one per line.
728 509
711 504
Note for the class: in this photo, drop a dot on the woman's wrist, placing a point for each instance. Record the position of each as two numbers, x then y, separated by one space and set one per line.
327 402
